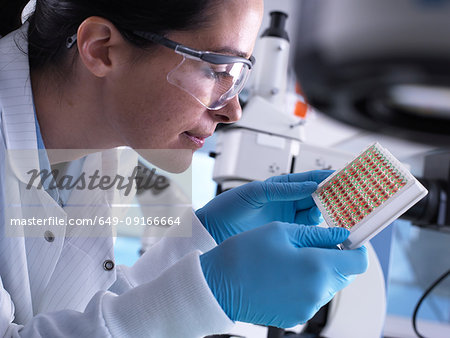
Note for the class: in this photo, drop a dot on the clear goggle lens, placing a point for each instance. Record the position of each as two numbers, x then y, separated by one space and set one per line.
210 84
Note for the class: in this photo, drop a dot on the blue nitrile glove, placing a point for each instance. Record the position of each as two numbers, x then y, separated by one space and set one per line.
285 198
280 274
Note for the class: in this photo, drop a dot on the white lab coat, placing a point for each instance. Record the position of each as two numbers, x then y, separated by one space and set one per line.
60 288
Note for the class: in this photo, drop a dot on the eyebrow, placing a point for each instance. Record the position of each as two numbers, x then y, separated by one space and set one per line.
233 51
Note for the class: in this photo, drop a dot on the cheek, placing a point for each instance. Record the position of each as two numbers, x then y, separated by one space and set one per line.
153 115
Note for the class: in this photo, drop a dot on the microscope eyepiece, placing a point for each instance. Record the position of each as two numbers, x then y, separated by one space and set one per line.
277 26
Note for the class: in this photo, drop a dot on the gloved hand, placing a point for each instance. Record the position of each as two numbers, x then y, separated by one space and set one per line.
285 198
280 274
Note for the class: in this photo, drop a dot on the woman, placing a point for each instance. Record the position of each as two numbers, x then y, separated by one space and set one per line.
101 74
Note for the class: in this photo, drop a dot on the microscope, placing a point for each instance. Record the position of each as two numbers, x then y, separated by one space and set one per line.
266 141
269 139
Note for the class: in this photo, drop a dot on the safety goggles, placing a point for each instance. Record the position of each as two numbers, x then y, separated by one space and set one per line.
212 79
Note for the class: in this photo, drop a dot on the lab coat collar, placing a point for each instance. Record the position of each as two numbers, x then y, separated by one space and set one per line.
16 104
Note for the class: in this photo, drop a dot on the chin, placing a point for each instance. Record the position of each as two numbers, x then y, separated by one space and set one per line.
171 160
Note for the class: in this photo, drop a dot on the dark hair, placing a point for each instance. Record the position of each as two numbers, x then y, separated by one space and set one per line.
10 18
53 21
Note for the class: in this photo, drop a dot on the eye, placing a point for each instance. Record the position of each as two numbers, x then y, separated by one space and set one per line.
222 75
216 72
208 73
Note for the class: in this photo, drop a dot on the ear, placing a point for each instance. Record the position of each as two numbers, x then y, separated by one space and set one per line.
99 45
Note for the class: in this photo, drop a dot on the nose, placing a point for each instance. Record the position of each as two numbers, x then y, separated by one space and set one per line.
232 112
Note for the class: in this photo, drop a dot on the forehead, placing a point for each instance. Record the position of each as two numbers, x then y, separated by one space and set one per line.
233 28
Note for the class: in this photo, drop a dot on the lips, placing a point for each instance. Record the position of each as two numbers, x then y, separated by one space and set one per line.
197 139
198 135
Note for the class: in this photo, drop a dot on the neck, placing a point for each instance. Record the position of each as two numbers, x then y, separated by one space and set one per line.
71 115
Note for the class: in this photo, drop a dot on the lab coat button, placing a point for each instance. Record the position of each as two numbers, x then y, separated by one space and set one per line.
108 265
49 237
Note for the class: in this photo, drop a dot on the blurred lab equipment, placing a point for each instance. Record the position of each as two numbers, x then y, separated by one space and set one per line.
380 65
384 66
